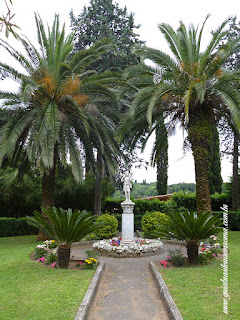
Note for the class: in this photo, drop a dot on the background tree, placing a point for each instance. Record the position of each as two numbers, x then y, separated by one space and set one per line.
6 21
105 19
214 163
161 156
233 63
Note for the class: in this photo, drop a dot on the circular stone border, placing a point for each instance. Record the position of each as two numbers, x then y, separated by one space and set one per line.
140 248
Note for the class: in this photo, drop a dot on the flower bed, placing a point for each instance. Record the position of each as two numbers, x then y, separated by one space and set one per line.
138 248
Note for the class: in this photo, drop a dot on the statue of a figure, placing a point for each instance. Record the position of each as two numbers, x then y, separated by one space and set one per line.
127 186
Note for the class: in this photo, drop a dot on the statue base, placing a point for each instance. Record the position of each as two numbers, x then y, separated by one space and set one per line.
127 221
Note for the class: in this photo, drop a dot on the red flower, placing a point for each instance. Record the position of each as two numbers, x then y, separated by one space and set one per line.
164 263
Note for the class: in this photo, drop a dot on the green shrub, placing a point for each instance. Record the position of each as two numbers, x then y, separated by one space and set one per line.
51 257
176 257
40 251
10 227
110 226
152 223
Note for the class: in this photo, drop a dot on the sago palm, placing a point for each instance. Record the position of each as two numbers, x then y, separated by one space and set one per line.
190 87
191 227
65 226
52 115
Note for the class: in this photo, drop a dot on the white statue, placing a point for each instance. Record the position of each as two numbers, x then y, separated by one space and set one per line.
127 186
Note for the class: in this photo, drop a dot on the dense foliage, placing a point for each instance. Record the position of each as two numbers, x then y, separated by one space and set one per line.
10 227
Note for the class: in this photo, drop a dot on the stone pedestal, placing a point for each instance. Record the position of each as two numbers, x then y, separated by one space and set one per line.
127 221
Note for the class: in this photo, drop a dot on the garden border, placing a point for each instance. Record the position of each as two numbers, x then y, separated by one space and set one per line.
89 295
165 294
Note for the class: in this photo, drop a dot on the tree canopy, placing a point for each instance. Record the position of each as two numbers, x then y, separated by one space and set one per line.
105 19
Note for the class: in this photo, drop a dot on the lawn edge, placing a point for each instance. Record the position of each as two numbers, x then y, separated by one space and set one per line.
169 303
90 294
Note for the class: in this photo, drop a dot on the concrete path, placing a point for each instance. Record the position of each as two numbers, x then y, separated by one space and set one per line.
127 290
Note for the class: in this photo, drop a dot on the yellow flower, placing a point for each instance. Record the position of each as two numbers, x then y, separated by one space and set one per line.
53 241
92 235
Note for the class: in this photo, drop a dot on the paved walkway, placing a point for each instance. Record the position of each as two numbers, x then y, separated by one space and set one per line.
127 290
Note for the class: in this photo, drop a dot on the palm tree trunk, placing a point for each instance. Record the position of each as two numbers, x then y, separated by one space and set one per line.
192 252
235 181
199 131
64 256
48 188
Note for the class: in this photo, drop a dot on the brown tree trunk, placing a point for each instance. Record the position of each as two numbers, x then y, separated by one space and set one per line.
235 181
199 132
48 188
64 256
192 252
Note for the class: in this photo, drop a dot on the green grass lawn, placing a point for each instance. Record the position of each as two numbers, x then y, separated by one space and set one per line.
30 290
197 291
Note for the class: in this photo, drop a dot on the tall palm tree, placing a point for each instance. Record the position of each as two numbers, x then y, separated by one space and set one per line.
191 87
59 109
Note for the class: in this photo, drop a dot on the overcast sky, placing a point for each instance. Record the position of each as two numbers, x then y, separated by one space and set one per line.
149 14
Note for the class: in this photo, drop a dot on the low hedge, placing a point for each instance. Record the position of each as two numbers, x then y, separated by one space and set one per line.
141 206
10 227
179 199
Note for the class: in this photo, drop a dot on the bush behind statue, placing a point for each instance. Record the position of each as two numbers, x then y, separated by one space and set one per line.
152 224
110 228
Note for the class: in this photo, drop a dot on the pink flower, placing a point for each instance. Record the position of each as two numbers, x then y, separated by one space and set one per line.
214 254
164 263
53 265
168 257
42 259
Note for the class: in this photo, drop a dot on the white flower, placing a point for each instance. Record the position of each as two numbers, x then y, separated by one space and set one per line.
41 246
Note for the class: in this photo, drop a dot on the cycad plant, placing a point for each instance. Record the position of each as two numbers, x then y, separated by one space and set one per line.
191 227
191 87
60 113
65 226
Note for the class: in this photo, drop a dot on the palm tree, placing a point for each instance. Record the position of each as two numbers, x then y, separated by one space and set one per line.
65 227
191 87
52 114
191 227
